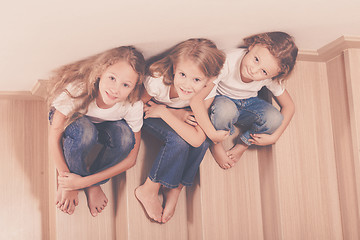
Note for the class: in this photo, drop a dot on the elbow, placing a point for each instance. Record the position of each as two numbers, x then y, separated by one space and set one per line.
293 110
198 142
132 162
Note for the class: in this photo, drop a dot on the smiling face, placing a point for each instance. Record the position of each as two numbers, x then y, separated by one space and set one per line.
258 64
115 85
188 79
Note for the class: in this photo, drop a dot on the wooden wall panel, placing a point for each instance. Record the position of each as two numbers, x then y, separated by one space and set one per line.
23 172
352 63
343 112
305 160
230 199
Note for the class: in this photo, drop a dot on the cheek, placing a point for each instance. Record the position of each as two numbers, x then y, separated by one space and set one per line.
198 87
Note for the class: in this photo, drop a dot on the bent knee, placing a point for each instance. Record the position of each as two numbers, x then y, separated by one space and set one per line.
273 120
173 140
82 131
223 113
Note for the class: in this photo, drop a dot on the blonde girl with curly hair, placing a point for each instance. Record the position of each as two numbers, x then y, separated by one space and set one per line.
95 101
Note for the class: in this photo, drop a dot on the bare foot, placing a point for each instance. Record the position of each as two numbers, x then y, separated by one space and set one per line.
66 201
147 194
171 198
237 151
220 156
96 199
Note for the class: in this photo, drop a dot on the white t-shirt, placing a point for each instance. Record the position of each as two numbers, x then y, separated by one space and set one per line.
230 83
156 88
131 113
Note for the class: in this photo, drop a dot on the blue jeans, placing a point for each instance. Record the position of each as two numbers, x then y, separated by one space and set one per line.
254 115
81 136
177 161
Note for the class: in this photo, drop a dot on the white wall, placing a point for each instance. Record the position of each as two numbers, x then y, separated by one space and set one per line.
39 35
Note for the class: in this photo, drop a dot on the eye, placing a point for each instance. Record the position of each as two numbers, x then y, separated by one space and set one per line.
197 80
112 78
126 85
264 72
182 74
256 59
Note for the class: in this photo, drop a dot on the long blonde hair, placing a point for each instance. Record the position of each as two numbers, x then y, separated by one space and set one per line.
87 73
281 45
202 52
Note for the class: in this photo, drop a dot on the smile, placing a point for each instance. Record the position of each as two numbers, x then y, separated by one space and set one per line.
110 96
185 91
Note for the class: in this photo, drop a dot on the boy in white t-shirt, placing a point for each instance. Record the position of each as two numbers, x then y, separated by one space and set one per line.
265 60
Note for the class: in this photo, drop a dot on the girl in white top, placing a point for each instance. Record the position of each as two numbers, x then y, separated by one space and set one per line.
95 100
265 60
173 81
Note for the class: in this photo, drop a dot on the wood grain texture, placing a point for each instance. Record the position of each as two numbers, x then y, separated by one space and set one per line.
24 171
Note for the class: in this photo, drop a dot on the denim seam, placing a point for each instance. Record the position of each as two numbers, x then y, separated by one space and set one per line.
163 183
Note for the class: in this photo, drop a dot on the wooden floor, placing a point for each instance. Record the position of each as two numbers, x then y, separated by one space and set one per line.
306 186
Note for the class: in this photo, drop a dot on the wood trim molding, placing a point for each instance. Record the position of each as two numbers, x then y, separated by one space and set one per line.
19 95
330 50
41 88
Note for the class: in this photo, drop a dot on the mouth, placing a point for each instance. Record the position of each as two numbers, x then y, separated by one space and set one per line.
111 96
186 92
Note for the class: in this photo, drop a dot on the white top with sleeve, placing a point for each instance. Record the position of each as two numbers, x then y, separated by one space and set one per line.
131 113
156 88
231 85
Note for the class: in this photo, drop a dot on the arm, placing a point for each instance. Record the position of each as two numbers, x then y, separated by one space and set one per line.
145 97
287 110
200 109
72 181
191 134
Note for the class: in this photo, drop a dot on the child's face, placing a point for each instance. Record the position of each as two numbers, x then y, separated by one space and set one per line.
258 64
115 85
188 79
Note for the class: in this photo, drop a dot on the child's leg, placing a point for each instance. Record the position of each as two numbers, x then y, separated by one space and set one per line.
167 168
79 138
118 140
223 115
171 197
194 159
170 163
147 194
258 116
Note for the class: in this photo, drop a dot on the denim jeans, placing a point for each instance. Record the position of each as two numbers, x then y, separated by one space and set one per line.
177 161
254 115
81 136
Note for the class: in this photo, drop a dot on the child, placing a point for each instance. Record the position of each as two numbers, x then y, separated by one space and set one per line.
267 59
95 100
173 81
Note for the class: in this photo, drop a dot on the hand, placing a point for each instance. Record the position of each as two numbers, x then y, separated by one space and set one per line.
154 110
70 181
185 115
262 139
190 119
219 136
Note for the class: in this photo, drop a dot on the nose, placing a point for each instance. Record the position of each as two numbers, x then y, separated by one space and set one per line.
254 70
187 83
